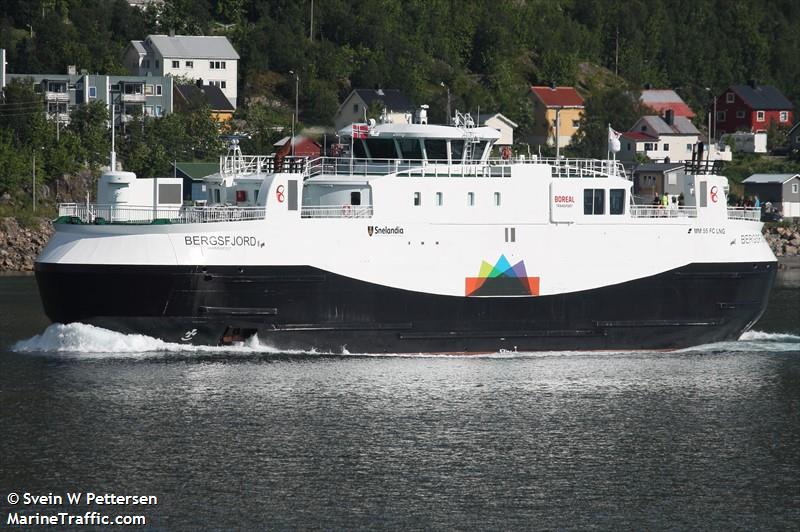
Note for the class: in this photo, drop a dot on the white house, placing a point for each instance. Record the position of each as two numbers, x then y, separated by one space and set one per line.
211 59
502 124
669 139
397 108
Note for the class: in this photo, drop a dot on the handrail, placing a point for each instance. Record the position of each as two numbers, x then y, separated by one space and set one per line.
657 211
138 214
337 211
744 213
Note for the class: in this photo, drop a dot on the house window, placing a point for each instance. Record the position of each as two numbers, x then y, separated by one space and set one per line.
156 63
92 92
648 146
157 111
470 199
355 107
629 146
689 147
417 199
721 116
576 124
148 110
176 64
759 116
784 116
189 64
216 65
730 97
158 90
594 201
666 147
148 90
223 64
439 199
496 199
795 188
616 201
739 114
147 63
223 85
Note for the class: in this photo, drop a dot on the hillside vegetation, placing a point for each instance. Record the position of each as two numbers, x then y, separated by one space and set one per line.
487 52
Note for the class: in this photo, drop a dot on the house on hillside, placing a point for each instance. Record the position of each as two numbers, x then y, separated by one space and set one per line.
794 137
557 113
190 96
396 106
209 58
303 147
667 139
502 124
193 174
655 179
752 107
782 190
663 100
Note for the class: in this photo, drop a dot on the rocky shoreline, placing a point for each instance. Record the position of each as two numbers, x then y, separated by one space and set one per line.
21 244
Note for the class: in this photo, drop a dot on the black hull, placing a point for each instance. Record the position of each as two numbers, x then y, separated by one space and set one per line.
301 307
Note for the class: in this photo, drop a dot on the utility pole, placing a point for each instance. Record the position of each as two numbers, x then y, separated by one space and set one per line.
311 25
616 55
448 101
295 117
558 128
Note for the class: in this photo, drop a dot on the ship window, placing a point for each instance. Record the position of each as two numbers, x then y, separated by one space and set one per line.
216 195
496 199
381 148
616 201
470 199
358 149
436 149
478 150
456 149
355 198
410 148
439 199
417 199
594 201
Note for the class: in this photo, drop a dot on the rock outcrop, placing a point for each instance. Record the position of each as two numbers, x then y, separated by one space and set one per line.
20 245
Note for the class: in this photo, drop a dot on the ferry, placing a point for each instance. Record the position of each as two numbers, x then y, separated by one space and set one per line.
413 239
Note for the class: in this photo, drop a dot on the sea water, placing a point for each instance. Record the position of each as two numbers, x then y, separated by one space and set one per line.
246 437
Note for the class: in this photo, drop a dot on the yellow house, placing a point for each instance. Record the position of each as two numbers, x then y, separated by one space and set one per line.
555 105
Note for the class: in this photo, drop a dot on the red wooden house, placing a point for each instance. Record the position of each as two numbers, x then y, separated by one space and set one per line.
303 147
752 107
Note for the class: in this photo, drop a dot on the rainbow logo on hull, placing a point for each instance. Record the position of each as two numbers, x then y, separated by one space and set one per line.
502 279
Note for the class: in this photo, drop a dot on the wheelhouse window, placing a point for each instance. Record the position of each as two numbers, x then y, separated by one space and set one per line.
381 148
478 150
616 201
456 150
358 149
436 149
594 201
410 148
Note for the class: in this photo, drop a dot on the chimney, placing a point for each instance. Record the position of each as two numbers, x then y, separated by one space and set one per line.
552 85
669 117
172 32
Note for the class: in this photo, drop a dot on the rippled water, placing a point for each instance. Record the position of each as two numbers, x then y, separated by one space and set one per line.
248 438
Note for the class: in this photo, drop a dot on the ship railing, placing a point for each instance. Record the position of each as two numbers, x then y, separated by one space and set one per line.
99 214
560 167
236 165
744 213
337 211
657 211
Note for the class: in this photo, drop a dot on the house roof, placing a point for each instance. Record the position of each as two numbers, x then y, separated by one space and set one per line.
192 46
139 47
661 100
297 140
482 118
762 97
196 170
770 178
638 135
212 94
680 125
394 99
558 96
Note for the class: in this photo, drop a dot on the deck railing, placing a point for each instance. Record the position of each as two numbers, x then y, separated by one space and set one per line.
93 213
744 213
337 211
657 211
